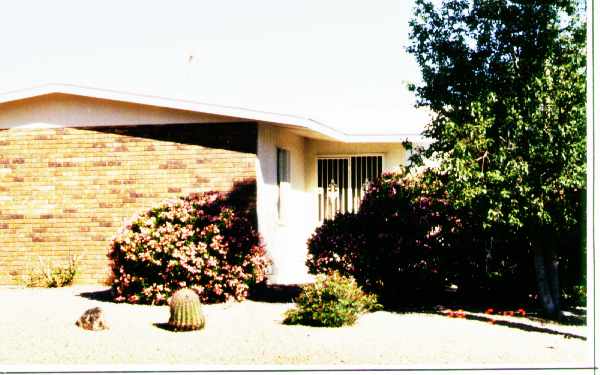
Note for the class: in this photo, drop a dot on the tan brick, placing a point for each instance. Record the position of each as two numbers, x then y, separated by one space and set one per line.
71 189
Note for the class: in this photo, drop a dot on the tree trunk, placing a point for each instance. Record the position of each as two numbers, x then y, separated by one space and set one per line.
546 272
552 274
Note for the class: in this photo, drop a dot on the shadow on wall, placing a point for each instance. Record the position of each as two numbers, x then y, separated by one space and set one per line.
241 198
238 137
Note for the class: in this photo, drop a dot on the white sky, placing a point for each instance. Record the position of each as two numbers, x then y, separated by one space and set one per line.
339 62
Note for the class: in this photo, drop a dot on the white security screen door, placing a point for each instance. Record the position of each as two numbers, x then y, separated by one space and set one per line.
342 181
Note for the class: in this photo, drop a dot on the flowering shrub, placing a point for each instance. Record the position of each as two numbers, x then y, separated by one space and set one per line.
391 246
332 301
203 242
336 246
411 248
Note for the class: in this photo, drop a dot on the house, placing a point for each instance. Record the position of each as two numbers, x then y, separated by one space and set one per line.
77 162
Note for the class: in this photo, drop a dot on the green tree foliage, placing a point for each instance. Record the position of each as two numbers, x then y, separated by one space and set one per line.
506 82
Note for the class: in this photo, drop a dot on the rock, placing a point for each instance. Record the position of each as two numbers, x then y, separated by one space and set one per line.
93 320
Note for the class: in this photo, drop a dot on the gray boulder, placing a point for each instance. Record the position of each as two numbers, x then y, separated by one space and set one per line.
93 320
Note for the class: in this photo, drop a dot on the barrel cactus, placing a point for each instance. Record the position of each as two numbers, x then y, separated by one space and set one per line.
186 314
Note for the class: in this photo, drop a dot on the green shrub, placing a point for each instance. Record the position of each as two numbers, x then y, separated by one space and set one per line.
50 275
206 242
332 301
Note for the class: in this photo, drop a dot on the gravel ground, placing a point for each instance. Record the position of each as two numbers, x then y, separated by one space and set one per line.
37 327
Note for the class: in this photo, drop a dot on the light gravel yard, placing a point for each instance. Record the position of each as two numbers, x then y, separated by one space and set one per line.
37 327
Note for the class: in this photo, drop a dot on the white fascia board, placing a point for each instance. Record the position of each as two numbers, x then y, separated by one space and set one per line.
385 138
156 101
220 110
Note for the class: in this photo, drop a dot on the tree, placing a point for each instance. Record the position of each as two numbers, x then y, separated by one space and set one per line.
506 82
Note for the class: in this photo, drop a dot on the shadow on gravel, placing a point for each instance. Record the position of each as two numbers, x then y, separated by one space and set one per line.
533 322
264 293
275 293
164 326
101 295
167 327
525 326
570 317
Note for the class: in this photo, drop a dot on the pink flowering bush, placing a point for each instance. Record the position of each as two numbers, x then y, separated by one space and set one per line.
203 242
411 247
394 246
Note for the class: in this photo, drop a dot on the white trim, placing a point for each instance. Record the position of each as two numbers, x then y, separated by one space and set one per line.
38 125
346 155
221 110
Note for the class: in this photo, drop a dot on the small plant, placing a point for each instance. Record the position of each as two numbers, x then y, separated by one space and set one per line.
186 314
332 301
50 275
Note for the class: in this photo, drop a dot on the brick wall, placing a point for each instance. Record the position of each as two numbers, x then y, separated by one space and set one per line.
67 191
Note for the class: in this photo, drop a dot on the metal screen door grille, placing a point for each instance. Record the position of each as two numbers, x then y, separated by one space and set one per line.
342 182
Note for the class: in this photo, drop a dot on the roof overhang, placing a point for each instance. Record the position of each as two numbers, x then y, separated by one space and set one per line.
307 126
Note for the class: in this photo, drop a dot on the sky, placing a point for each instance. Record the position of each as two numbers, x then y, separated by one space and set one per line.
339 62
